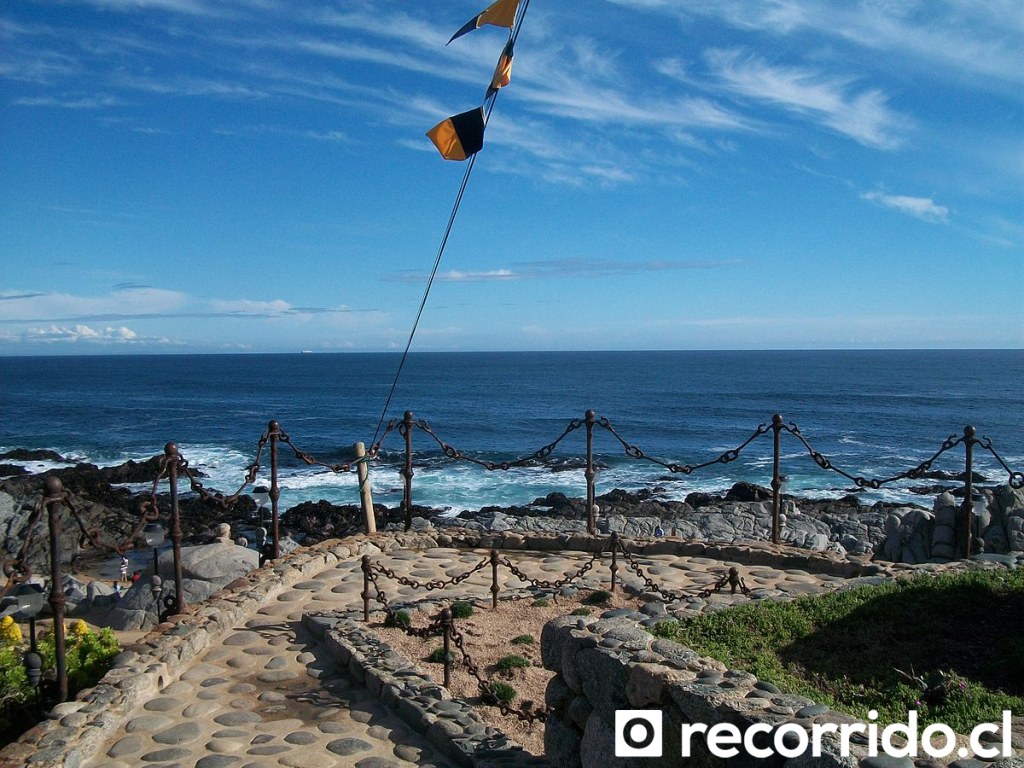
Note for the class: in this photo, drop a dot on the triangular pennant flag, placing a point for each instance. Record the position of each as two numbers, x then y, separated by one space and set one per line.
461 136
499 14
503 72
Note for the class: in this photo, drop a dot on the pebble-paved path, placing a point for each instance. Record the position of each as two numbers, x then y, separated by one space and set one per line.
267 695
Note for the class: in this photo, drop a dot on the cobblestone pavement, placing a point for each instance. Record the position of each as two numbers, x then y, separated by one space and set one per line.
266 694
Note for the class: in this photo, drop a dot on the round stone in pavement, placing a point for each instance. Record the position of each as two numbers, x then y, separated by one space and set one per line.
272 696
270 749
309 585
242 638
885 761
147 723
278 662
216 761
349 746
408 752
237 718
332 728
230 733
221 746
129 745
199 709
301 738
163 704
307 760
166 755
182 733
377 762
277 676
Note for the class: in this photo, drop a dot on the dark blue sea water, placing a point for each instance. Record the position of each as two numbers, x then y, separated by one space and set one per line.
873 412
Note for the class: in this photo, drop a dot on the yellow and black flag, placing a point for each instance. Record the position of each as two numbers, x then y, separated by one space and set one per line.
459 137
500 14
502 73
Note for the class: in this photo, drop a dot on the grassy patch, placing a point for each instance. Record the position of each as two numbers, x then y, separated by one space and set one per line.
437 656
581 612
541 602
461 609
847 649
502 692
400 619
508 663
598 597
523 640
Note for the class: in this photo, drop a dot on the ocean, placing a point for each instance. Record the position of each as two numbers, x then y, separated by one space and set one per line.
872 412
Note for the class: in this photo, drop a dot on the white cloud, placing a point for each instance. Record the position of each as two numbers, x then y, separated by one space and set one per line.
831 101
923 208
69 102
86 334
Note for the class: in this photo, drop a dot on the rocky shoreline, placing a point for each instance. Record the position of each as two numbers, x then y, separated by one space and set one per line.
894 532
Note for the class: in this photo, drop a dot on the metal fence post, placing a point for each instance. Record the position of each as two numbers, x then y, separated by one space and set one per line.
615 564
274 431
54 494
776 480
588 420
965 508
407 473
494 579
446 623
365 565
171 452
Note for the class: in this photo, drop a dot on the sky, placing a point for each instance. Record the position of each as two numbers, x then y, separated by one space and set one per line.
208 176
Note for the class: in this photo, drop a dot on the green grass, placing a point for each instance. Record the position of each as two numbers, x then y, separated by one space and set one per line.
508 663
400 619
541 602
462 609
598 597
502 692
581 612
844 649
523 640
437 656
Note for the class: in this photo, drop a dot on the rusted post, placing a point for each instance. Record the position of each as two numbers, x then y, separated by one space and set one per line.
494 579
776 480
171 452
365 494
365 565
446 623
274 431
407 473
965 508
588 420
52 501
615 551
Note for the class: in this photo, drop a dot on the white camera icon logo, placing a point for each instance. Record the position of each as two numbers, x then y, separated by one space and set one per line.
638 733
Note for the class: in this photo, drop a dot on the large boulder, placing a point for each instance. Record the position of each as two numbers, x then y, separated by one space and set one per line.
205 569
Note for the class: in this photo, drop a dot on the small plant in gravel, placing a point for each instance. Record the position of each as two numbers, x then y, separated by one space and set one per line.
437 656
508 663
541 602
462 609
598 597
399 619
581 612
500 692
523 640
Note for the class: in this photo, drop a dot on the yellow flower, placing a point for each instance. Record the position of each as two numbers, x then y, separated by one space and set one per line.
79 629
10 632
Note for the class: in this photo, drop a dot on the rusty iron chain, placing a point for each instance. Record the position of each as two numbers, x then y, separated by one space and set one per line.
541 584
454 453
435 583
17 569
537 714
421 632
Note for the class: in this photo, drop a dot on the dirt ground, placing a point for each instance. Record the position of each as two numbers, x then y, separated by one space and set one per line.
489 636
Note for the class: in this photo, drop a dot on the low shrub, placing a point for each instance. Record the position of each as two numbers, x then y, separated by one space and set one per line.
666 629
437 656
399 619
500 692
523 640
598 597
508 663
462 609
541 602
581 612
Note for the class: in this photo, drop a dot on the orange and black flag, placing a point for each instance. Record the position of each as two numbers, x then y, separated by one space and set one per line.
500 14
502 73
459 137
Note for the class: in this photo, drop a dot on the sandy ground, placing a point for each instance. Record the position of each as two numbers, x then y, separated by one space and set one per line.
489 637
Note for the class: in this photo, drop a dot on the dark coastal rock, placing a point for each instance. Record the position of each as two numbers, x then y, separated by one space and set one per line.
319 520
24 454
11 470
744 491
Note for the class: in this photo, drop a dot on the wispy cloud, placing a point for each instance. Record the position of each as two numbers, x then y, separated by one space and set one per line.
558 268
832 101
70 102
924 208
57 334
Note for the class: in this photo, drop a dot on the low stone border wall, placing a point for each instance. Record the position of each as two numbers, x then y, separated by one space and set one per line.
751 553
449 724
77 729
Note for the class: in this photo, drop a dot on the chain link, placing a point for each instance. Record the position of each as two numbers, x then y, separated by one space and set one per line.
541 584
434 584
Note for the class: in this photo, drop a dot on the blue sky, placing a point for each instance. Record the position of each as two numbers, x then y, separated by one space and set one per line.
252 175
